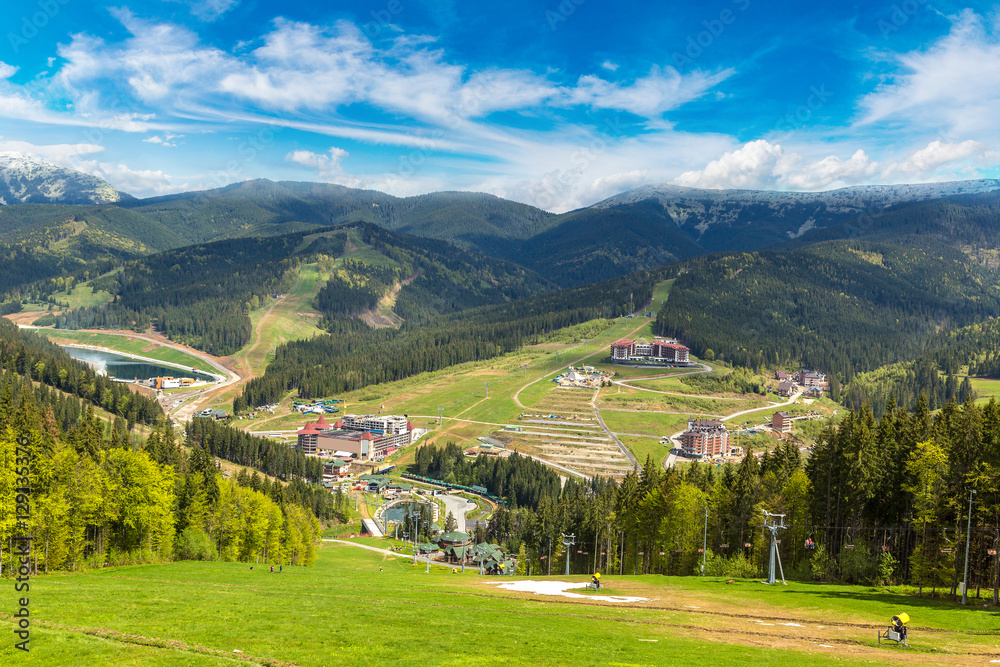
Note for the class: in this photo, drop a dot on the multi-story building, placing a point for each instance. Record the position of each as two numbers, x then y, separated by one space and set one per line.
781 422
658 351
366 437
705 438
623 350
810 378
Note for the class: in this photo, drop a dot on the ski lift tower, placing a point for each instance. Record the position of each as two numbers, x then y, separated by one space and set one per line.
568 541
774 523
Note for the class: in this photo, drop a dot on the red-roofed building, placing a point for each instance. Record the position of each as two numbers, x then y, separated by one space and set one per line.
622 350
659 351
705 437
366 437
307 439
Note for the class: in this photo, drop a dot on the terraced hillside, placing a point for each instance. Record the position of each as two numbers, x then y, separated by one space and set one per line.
563 428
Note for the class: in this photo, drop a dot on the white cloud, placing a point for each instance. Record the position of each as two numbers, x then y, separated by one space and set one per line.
827 172
210 10
64 155
610 66
166 140
650 96
937 154
7 71
752 166
139 183
763 165
951 86
328 166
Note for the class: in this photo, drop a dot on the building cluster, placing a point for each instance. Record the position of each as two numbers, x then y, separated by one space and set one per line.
705 438
360 437
660 351
586 377
813 383
168 382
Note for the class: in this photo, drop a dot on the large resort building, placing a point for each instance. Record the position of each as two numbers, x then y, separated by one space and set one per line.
705 438
659 351
364 437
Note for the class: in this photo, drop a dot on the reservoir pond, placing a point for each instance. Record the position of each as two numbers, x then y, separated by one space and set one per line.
122 367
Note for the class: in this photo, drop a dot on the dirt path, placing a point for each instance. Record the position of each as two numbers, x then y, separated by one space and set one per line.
762 626
767 407
382 316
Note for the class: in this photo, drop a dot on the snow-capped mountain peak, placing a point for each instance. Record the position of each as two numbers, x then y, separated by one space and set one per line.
29 179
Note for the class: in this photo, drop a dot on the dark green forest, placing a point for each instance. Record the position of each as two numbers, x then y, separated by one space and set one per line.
33 357
885 501
841 306
199 295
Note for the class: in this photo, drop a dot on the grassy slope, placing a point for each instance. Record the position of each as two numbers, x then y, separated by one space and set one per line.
357 608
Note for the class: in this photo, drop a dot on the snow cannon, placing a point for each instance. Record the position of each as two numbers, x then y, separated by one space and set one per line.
896 632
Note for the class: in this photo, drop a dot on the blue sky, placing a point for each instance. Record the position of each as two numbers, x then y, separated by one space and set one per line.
556 103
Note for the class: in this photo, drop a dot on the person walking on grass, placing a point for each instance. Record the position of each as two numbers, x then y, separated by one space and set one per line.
272 569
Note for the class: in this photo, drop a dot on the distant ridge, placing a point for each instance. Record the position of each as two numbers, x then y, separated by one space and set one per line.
29 179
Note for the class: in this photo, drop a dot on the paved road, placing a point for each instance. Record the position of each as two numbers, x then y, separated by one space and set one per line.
457 506
395 554
770 406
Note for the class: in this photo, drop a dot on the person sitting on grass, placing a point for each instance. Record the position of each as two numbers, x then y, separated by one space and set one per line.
596 580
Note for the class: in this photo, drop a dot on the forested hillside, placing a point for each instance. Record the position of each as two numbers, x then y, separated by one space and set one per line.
842 306
883 500
202 295
42 241
968 222
35 358
199 295
96 501
354 356
633 231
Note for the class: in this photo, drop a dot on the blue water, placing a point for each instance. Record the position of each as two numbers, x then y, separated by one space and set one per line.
122 367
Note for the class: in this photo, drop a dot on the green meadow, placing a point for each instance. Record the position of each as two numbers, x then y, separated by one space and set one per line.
356 607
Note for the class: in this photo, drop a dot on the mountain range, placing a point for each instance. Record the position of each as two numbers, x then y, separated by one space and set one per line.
645 227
